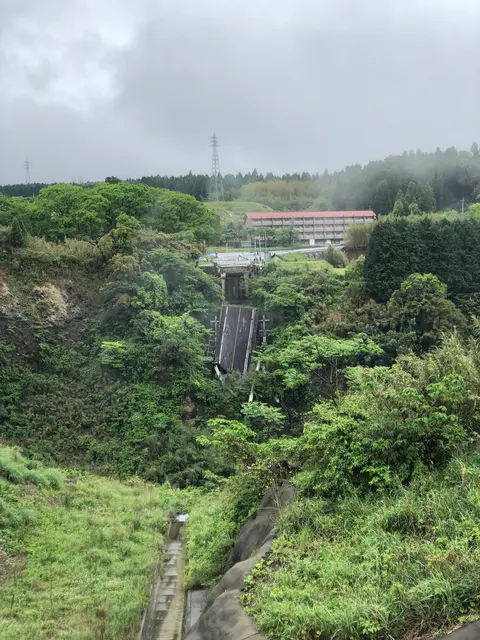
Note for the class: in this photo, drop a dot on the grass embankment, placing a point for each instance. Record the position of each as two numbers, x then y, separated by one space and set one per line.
77 551
391 567
235 210
300 261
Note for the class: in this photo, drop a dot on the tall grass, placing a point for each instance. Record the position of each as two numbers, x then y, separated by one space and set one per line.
69 248
375 568
215 519
81 551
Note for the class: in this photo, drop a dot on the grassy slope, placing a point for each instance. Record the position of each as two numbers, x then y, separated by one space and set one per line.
300 261
377 567
77 551
236 209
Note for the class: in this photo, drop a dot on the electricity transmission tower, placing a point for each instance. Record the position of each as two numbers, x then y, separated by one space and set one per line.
27 164
216 187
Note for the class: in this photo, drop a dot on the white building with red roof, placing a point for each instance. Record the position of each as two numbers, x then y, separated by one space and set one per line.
315 227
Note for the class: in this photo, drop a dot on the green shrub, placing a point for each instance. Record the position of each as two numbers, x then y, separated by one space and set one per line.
335 257
17 236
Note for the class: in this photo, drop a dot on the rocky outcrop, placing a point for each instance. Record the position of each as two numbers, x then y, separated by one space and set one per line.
224 618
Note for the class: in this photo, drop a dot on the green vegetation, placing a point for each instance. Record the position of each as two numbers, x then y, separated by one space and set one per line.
70 211
414 181
365 396
379 567
78 552
102 361
381 540
298 262
445 248
370 409
212 530
236 209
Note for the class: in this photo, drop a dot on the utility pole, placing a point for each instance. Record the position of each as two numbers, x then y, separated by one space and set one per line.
463 204
216 186
27 164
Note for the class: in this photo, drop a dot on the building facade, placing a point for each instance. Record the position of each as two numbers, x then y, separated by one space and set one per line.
315 227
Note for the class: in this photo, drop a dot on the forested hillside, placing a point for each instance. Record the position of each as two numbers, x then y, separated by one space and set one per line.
370 408
435 181
102 355
364 397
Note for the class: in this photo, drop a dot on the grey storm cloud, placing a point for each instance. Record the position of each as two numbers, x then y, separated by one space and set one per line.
92 88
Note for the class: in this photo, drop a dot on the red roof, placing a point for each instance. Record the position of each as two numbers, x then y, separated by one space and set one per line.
310 214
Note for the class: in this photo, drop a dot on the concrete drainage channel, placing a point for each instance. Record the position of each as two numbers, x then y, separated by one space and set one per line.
171 613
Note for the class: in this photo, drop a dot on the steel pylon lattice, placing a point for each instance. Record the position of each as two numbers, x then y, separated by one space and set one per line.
27 164
216 186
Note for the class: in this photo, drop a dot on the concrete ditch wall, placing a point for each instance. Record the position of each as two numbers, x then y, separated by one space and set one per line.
164 614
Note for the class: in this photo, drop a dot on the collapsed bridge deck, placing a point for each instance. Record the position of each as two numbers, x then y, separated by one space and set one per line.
237 337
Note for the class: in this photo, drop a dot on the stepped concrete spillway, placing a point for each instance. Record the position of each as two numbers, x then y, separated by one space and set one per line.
163 619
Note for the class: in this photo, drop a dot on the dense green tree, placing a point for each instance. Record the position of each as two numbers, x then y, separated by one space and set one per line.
308 367
446 249
171 350
356 290
425 198
358 236
135 200
399 209
61 211
194 185
17 236
123 278
190 289
125 235
287 237
411 193
420 309
22 190
289 294
384 199
11 208
414 209
388 428
335 257
174 212
264 420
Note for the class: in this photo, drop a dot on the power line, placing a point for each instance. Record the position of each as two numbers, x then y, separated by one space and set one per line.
27 164
216 186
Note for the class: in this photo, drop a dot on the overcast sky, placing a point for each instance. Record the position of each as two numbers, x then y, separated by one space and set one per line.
93 88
